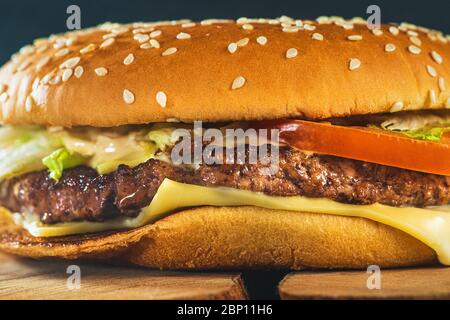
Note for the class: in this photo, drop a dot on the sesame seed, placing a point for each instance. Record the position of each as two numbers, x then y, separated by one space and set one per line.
358 20
42 48
291 53
232 47
309 27
4 97
323 20
101 72
188 25
207 22
107 43
243 42
433 97
414 49
423 29
412 33
432 36
55 80
70 41
354 64
79 72
416 41
161 99
129 59
169 51
355 37
290 29
67 74
441 83
155 34
396 107
261 40
109 36
62 52
138 30
377 32
173 120
48 76
317 36
23 65
436 57
347 26
29 104
128 96
146 46
27 50
60 43
389 47
432 71
394 30
285 19
72 62
241 20
247 26
120 30
34 86
42 63
238 83
183 36
88 49
141 38
155 43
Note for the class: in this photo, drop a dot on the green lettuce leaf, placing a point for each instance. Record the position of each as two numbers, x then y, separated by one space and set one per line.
59 160
22 150
163 136
31 148
431 134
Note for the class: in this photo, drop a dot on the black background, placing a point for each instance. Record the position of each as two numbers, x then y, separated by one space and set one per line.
24 20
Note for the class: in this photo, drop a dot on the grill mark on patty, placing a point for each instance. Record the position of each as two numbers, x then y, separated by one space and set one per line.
83 194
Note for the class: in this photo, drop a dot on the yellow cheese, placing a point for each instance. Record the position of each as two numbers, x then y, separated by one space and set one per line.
432 227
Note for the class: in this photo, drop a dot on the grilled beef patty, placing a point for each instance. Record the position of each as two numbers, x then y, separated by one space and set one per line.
83 194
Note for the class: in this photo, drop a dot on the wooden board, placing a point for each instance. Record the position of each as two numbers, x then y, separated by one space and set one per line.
414 283
28 279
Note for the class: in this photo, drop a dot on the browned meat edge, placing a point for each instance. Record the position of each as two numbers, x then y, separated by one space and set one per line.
83 194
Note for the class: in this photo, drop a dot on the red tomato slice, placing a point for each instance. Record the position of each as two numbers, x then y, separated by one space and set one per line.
365 144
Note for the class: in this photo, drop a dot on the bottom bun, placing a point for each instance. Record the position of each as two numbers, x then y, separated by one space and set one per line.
234 238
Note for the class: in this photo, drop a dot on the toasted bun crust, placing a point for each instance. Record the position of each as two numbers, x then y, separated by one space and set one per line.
44 84
236 237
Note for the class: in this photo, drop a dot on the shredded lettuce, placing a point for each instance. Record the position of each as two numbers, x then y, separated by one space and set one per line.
27 149
59 160
430 134
425 126
413 121
127 150
163 135
21 150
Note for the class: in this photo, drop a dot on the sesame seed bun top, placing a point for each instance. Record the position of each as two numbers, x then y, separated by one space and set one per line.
219 70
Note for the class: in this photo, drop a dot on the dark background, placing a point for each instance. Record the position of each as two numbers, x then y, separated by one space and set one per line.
22 21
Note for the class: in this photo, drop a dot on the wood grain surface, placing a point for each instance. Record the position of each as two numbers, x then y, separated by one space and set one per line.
29 279
414 283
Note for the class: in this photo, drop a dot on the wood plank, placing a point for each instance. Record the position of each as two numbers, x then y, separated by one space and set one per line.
413 283
28 279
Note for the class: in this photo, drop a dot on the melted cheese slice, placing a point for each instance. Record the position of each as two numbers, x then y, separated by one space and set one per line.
432 227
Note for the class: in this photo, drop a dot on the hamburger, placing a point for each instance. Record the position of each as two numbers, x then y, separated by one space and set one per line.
91 119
